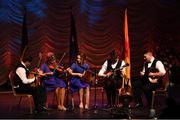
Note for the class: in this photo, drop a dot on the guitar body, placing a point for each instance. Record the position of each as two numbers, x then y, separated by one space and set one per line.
113 75
125 90
153 79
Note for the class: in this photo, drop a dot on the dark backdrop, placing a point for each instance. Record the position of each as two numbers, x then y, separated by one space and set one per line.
92 26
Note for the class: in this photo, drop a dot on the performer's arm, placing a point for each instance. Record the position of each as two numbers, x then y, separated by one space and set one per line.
73 73
21 72
160 68
103 70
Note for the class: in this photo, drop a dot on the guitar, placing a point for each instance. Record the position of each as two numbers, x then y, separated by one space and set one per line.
125 89
112 73
153 79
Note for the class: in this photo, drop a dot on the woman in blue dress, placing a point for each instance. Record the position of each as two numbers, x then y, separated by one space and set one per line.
52 81
78 70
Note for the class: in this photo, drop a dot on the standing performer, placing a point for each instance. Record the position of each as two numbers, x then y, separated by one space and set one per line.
77 83
52 81
112 70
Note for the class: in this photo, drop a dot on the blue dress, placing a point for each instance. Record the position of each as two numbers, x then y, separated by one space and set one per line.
52 82
75 82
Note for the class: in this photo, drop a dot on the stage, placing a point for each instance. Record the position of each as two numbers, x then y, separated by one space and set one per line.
9 108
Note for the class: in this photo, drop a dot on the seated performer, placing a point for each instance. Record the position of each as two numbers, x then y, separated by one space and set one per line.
112 70
23 84
152 72
52 81
77 83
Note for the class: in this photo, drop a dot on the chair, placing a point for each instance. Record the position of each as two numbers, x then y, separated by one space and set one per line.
162 91
21 95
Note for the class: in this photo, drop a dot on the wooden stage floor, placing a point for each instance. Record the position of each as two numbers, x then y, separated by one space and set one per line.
9 109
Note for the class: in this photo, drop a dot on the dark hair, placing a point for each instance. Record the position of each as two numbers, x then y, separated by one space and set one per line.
51 58
27 59
149 51
83 56
115 53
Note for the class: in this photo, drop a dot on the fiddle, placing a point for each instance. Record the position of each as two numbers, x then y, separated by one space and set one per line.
36 73
56 67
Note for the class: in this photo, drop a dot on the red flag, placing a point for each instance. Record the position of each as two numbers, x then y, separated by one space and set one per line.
127 47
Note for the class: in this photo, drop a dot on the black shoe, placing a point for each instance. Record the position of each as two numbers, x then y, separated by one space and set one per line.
138 105
107 106
45 108
35 111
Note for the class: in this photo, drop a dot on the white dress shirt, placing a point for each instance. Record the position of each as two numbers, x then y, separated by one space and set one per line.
21 72
158 66
104 68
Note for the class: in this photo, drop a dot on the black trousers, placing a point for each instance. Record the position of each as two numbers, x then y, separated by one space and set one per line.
139 87
39 95
111 87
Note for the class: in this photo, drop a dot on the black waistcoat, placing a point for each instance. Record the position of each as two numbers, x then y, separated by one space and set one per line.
152 68
17 80
117 74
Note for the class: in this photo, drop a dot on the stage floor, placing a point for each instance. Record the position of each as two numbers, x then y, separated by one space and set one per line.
9 109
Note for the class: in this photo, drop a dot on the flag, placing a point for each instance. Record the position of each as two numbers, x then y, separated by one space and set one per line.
127 47
24 35
73 41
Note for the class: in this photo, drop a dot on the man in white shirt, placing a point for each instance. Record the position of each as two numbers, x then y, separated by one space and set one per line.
112 71
151 75
23 84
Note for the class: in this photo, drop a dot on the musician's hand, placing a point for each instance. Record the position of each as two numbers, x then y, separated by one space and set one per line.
80 75
48 73
109 74
153 80
39 71
142 73
151 74
51 73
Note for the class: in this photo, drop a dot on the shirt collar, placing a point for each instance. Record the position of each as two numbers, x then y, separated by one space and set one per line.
152 59
23 63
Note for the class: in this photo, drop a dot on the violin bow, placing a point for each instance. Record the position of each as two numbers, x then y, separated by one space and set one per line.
40 58
23 53
60 60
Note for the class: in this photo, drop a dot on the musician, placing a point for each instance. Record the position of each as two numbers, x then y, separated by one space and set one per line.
23 84
152 68
113 80
77 83
52 81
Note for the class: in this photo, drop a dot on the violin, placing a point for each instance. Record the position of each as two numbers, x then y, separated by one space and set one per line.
56 67
36 73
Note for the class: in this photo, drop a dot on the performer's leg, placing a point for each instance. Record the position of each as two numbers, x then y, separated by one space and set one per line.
137 90
81 98
148 91
113 88
108 92
62 95
57 91
87 98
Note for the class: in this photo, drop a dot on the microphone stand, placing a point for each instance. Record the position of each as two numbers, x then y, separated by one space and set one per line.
95 108
95 90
